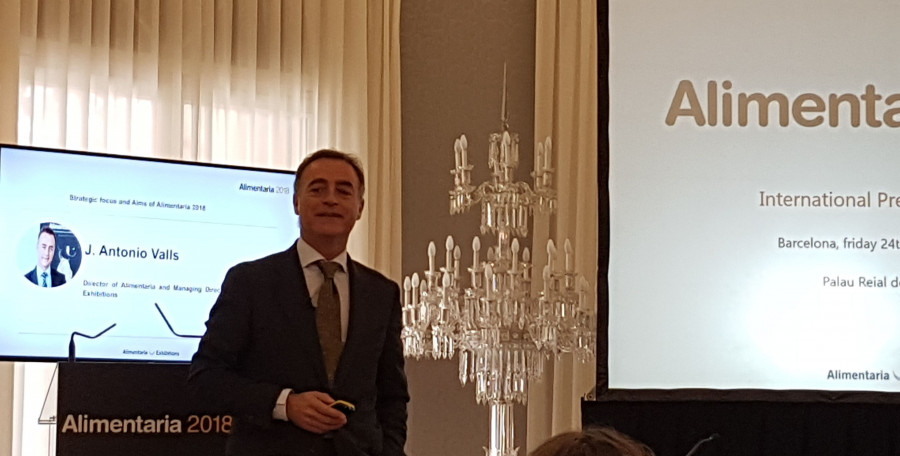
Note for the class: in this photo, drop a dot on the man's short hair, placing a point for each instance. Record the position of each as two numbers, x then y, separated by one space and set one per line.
351 159
599 441
49 231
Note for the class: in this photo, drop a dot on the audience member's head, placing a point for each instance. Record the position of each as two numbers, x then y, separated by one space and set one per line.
601 441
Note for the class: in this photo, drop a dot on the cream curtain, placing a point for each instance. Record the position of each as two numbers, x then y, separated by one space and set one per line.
383 159
566 110
241 82
9 77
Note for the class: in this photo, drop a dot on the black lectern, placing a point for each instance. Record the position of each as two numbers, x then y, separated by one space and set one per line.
133 409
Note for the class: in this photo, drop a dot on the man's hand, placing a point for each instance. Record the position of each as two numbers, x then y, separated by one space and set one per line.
310 410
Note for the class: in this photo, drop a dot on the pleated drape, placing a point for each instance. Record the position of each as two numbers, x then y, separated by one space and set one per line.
241 82
566 110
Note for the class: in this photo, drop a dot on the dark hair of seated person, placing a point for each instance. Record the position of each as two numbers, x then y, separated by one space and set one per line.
599 441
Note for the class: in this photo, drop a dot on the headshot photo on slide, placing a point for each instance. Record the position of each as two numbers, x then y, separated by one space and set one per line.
52 255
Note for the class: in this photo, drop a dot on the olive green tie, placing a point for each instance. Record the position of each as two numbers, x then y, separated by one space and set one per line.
328 318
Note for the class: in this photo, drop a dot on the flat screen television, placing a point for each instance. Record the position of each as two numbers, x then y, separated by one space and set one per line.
141 247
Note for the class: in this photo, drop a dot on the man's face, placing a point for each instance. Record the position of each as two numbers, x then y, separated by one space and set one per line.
328 200
46 247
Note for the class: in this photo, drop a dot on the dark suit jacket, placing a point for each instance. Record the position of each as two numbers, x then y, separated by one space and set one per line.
56 278
261 337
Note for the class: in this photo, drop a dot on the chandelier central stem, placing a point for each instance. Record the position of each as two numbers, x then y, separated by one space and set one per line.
502 431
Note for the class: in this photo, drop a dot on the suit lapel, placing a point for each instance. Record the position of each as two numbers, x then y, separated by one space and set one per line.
362 303
292 296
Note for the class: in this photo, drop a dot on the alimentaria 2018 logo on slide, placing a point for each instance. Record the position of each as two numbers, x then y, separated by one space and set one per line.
861 375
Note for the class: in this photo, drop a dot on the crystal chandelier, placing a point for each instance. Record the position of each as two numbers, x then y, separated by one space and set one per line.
501 329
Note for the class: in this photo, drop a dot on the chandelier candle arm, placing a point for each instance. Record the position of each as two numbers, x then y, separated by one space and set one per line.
488 279
465 152
415 289
432 250
407 287
546 277
476 246
449 252
515 255
551 254
456 254
548 147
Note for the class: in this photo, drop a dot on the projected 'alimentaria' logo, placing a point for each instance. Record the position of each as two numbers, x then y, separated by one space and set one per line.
865 375
870 108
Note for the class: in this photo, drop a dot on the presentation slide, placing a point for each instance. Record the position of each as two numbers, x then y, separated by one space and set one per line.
754 195
139 244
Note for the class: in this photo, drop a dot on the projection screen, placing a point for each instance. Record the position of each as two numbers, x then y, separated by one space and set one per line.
754 196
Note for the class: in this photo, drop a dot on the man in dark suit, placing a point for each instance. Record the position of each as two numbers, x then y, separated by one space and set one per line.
43 275
262 359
